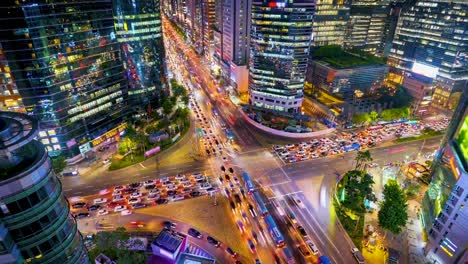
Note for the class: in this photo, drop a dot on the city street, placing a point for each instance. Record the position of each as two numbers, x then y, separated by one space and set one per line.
312 181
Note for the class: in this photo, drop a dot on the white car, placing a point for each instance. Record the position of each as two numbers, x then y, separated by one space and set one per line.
118 198
102 212
298 201
171 187
199 177
312 247
106 161
187 184
204 186
177 197
152 197
180 177
100 201
154 191
120 208
126 212
135 195
116 193
134 200
225 159
373 165
119 188
148 182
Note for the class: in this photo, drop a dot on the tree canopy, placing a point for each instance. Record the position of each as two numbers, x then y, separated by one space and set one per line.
359 119
393 209
362 157
114 245
358 187
59 164
400 99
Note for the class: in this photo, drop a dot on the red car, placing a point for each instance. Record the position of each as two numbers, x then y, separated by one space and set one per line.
114 204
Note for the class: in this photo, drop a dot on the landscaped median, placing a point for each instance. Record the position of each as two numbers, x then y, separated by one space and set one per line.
136 147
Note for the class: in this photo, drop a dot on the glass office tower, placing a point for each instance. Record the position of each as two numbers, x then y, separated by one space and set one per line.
35 221
444 214
280 37
139 32
367 25
430 39
330 22
66 62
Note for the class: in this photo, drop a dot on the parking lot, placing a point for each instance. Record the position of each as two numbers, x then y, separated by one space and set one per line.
350 141
125 198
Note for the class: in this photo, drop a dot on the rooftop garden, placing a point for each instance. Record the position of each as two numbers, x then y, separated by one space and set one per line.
339 58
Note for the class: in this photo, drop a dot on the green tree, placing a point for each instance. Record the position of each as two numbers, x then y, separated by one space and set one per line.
59 164
373 116
362 157
114 244
167 106
358 187
359 119
393 209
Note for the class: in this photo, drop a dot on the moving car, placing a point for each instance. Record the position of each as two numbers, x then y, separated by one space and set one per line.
357 255
312 247
213 241
120 208
169 225
102 212
126 212
100 201
195 233
231 252
79 205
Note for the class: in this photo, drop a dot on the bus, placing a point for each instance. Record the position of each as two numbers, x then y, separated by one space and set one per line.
260 204
229 134
324 260
274 231
200 132
288 256
248 182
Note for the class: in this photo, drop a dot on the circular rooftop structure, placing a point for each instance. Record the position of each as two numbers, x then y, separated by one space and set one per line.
16 130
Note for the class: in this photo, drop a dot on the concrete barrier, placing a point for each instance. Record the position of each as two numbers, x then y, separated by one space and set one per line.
284 133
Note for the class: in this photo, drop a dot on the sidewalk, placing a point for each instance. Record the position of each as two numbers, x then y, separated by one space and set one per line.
409 242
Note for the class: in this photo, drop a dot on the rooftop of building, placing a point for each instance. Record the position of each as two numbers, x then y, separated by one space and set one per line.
186 258
168 240
338 58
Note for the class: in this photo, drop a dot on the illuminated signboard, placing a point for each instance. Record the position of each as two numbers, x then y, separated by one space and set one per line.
109 134
462 139
424 69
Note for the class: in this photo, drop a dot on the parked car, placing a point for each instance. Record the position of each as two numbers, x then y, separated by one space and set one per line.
79 205
102 212
100 201
120 208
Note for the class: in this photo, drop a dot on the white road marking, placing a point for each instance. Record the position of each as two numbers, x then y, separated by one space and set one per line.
284 195
279 183
142 165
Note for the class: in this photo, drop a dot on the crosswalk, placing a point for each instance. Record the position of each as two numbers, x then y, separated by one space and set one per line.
194 250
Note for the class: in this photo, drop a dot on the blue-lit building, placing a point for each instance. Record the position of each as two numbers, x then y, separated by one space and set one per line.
280 38
67 65
35 221
139 32
444 215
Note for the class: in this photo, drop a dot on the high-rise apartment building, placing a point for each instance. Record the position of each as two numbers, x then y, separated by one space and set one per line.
66 62
431 40
35 221
280 38
444 214
367 25
139 32
330 22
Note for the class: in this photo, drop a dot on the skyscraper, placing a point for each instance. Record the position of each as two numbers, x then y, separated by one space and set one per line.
444 213
280 38
139 32
10 99
235 42
367 25
330 22
35 221
430 40
66 62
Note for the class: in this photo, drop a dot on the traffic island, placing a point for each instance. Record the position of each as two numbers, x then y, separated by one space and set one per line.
136 148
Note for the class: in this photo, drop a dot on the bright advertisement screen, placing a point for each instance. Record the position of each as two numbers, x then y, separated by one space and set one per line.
424 69
462 139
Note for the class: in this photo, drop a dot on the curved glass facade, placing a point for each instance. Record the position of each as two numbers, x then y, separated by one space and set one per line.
139 32
66 61
280 37
35 217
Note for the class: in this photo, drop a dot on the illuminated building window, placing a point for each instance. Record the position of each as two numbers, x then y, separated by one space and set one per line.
42 134
45 141
51 132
